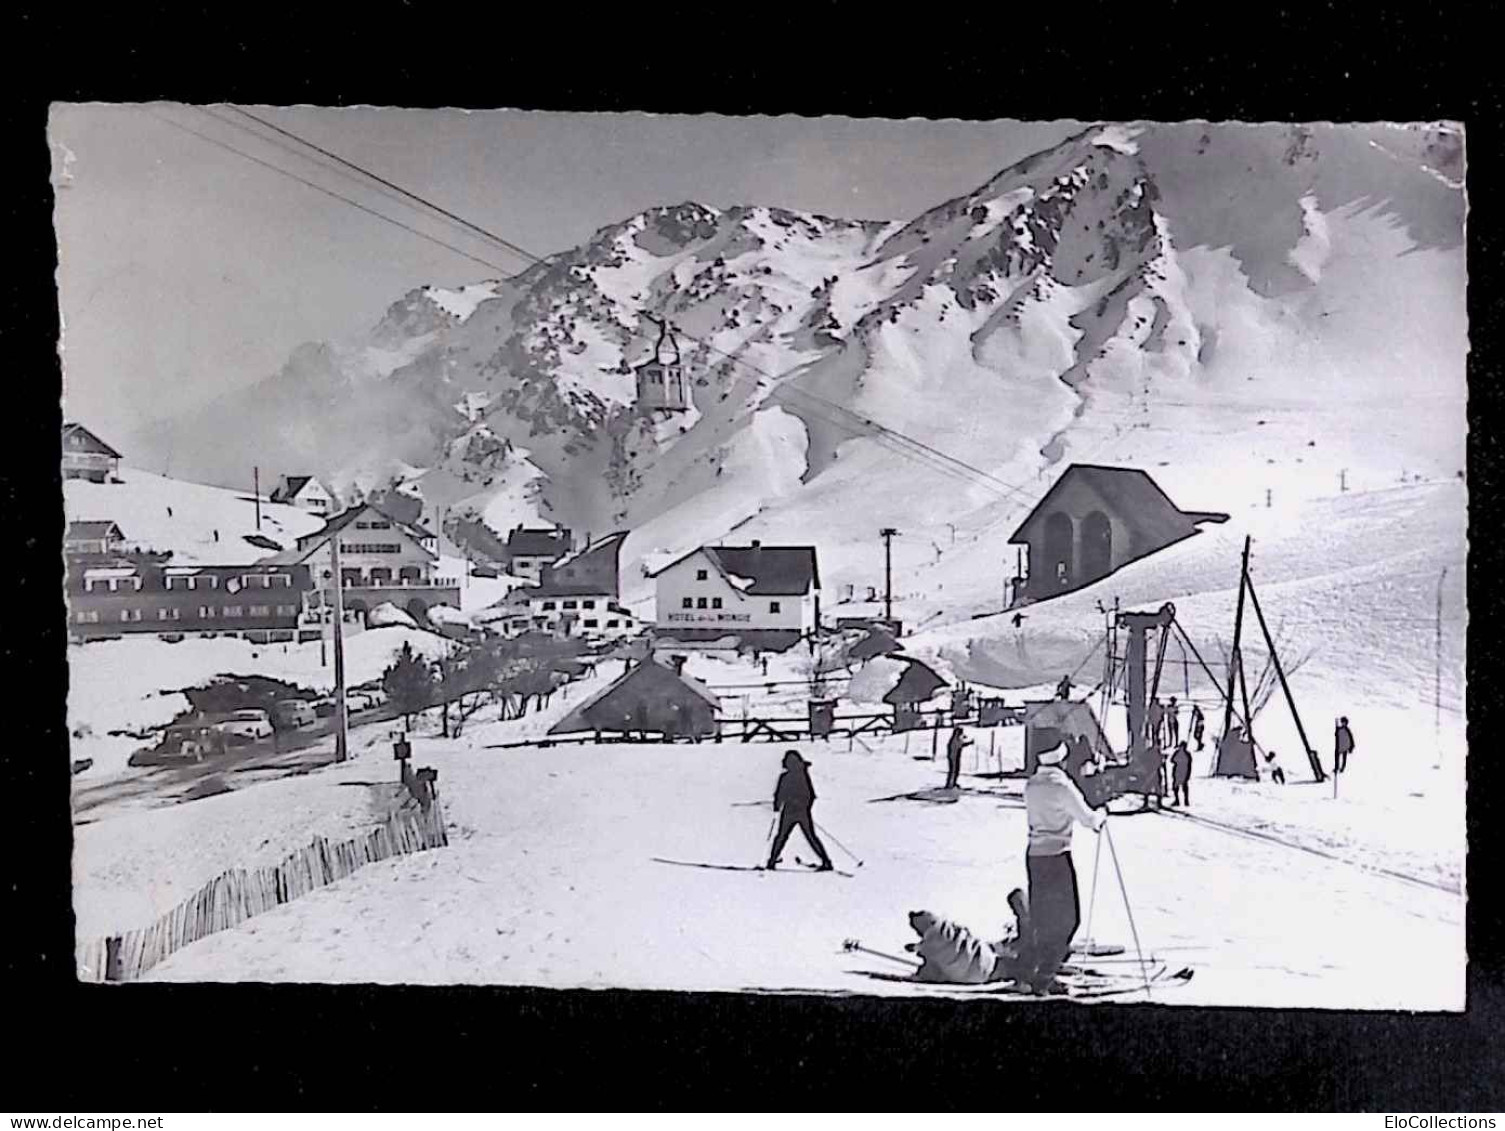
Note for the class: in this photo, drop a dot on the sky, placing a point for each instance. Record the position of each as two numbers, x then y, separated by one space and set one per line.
187 270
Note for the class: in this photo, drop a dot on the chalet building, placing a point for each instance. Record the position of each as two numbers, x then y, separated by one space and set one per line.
587 611
531 550
769 596
381 560
661 383
597 565
259 602
303 491
650 697
1092 521
86 456
101 538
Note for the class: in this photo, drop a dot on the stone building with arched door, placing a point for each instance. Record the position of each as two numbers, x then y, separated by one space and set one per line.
1094 520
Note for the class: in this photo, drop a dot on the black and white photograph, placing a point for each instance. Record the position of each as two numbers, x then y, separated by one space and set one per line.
1000 561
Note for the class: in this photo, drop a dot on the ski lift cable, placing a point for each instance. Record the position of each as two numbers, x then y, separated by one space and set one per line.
895 435
326 191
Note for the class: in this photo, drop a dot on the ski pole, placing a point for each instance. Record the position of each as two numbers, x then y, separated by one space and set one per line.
1097 858
838 843
1138 950
852 944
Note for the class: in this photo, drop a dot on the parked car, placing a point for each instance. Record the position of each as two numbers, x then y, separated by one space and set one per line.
357 701
248 725
291 714
324 708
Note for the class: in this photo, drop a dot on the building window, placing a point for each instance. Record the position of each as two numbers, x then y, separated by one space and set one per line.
548 606
774 606
233 611
193 583
700 602
88 616
167 583
167 614
587 604
266 581
206 613
287 610
129 615
715 602
687 603
700 575
569 604
213 581
261 610
611 624
591 624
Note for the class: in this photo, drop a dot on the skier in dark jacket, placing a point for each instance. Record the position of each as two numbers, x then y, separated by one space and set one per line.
954 747
1172 723
1342 745
1181 776
1198 725
792 800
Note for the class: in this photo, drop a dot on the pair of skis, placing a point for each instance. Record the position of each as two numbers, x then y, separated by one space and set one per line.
801 867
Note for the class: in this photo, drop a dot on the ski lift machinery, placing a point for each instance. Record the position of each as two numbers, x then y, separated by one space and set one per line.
1139 770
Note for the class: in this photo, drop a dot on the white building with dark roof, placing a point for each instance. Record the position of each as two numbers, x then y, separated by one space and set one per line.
303 491
767 595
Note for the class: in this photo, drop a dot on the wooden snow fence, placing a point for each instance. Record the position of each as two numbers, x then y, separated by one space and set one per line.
232 898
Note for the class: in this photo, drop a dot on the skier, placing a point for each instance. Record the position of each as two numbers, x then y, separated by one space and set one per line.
1172 723
1063 689
954 747
1342 745
793 800
1052 803
1155 721
1277 775
1181 776
1018 620
1198 725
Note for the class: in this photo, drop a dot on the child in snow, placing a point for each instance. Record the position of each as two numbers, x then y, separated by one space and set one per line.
793 800
1277 775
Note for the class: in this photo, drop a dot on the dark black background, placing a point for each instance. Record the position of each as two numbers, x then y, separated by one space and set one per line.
152 1048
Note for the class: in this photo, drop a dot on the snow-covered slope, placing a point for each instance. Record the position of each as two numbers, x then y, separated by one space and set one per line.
1254 300
201 525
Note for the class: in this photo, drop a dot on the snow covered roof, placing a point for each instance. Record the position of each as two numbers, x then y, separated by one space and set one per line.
292 486
311 542
94 528
1132 495
655 677
92 441
759 570
538 543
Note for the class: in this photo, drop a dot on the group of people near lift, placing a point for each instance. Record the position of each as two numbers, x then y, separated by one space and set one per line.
1053 805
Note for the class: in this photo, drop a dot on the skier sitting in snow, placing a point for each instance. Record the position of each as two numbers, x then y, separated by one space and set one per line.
1052 805
793 799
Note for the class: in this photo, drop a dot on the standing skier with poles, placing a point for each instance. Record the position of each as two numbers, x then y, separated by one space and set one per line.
954 747
1198 725
1052 803
792 800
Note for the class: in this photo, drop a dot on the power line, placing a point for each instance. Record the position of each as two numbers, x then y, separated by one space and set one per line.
510 246
326 191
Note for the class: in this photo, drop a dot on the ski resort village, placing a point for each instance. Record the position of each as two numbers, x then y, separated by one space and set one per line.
1053 593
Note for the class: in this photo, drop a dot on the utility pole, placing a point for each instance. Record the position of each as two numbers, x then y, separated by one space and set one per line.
1311 755
887 534
256 490
1437 686
341 735
1235 660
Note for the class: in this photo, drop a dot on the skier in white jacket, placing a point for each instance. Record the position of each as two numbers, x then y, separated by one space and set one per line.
1053 804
